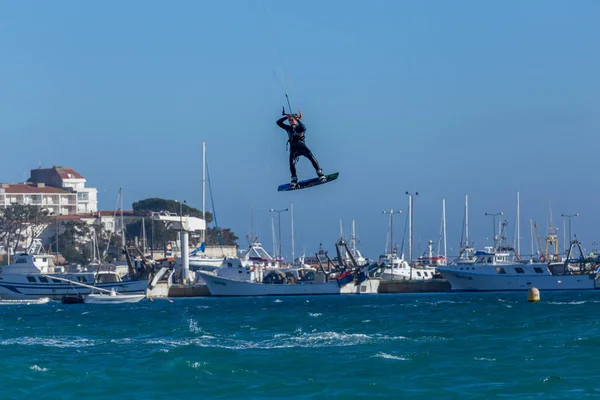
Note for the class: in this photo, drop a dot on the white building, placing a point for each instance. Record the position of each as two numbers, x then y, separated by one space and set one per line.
86 199
55 200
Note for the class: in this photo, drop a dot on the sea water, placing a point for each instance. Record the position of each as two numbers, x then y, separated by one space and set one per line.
451 345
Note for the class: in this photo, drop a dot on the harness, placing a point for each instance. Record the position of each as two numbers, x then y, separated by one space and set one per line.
293 135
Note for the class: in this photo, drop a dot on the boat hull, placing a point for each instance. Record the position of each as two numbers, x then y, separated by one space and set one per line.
224 287
16 286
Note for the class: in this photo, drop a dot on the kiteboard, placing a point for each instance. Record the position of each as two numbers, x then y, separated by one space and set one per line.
307 183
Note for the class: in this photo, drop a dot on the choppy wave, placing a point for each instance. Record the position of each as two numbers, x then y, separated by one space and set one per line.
391 357
426 346
279 341
59 341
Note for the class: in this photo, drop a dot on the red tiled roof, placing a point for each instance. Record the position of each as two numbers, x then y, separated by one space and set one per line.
92 215
65 172
67 217
108 213
23 188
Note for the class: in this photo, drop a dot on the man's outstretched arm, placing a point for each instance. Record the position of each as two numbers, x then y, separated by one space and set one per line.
281 124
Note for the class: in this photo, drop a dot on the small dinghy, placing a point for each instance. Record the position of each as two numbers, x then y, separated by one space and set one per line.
113 298
41 300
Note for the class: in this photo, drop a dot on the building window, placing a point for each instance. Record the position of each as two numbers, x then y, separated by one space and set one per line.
83 197
500 270
519 270
538 270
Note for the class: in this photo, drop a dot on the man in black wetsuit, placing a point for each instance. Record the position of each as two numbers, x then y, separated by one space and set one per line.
295 131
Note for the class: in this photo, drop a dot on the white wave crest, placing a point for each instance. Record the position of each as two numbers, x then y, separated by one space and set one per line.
196 364
390 357
37 368
193 326
60 342
298 339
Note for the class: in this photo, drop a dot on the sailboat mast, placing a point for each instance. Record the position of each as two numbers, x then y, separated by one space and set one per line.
143 236
293 244
273 235
531 235
353 239
444 223
203 234
410 230
518 225
122 225
466 220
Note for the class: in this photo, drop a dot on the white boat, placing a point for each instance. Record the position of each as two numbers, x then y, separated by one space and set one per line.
430 260
204 262
259 257
8 302
219 286
248 281
395 268
496 271
501 269
112 298
33 276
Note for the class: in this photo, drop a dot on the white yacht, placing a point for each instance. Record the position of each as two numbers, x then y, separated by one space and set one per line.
498 271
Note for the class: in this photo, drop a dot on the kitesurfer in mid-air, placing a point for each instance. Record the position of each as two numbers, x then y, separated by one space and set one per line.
296 130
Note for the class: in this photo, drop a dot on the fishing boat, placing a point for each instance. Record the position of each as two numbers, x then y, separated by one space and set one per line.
294 281
276 283
428 259
33 276
395 268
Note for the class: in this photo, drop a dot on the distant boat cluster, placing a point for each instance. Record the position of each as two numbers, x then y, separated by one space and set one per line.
32 277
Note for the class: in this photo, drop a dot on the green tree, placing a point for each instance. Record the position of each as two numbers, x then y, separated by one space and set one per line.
162 234
159 229
73 240
158 205
228 238
20 221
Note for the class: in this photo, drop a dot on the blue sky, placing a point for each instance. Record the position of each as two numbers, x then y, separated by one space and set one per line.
441 98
